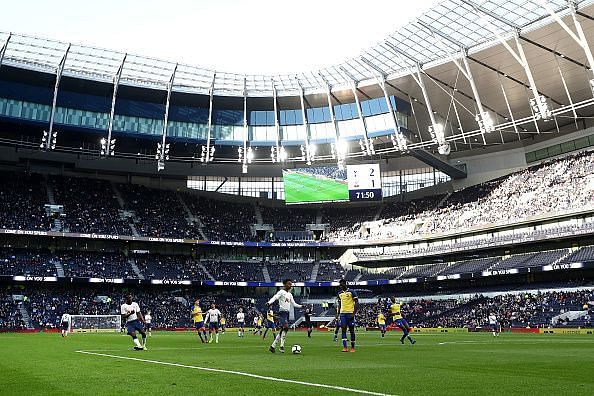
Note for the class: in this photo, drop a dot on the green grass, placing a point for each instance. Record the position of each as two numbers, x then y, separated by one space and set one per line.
468 364
300 187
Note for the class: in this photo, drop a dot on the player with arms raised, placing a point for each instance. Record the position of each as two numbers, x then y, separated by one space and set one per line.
347 307
134 322
65 324
240 323
199 321
399 321
285 303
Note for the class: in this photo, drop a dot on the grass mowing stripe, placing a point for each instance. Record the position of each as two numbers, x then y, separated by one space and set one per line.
241 373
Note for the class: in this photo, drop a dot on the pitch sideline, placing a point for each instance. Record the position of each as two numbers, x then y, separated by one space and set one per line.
240 373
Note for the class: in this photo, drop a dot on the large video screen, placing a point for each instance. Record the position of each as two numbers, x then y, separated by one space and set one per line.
318 184
331 184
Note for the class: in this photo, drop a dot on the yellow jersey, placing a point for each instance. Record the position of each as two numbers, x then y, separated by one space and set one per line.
197 314
270 316
395 311
347 299
259 323
381 319
223 321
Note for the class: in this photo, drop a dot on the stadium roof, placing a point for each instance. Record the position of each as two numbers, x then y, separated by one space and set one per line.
432 48
457 22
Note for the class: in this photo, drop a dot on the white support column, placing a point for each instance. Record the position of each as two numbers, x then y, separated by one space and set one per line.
511 114
308 151
400 139
367 143
246 156
50 141
108 147
575 116
278 153
436 130
208 155
163 147
3 49
340 148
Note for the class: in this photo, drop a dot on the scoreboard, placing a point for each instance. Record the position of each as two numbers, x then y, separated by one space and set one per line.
365 182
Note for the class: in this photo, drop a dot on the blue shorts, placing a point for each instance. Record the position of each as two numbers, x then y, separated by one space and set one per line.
270 324
402 323
213 325
382 327
347 319
199 325
494 327
241 325
134 325
283 318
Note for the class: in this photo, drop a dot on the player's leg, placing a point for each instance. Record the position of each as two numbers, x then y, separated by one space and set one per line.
135 340
265 332
309 330
140 329
283 334
217 334
343 327
352 331
199 327
406 329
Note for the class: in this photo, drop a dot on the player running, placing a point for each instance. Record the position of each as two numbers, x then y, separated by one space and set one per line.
347 307
308 323
147 322
240 323
213 315
134 322
396 316
494 324
270 325
199 321
65 324
285 303
223 324
381 322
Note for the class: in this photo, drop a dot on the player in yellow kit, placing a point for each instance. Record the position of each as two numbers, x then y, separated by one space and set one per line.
381 322
199 321
223 324
270 325
347 308
399 321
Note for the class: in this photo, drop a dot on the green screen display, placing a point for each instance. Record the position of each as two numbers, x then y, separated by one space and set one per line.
308 185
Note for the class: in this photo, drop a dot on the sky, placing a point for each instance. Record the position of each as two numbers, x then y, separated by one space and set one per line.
252 37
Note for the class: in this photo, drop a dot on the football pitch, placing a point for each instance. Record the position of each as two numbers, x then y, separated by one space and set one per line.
176 364
300 187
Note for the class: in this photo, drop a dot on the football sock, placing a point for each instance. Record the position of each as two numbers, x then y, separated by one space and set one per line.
277 339
144 339
283 337
217 337
136 342
200 335
344 338
352 331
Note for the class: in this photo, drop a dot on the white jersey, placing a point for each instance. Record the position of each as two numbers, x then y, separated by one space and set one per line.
240 317
213 315
255 320
65 318
130 307
492 319
285 300
148 318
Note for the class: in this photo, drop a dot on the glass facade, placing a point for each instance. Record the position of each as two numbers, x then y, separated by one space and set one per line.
227 124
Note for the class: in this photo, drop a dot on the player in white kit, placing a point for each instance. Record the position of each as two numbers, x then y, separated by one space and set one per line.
213 316
493 324
240 323
65 324
134 322
148 318
285 303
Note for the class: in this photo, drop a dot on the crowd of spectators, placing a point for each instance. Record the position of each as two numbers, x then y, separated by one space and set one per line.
288 219
169 267
22 200
95 265
556 186
23 262
90 206
10 314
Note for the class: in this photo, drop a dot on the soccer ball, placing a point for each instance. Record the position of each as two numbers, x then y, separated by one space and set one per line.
296 349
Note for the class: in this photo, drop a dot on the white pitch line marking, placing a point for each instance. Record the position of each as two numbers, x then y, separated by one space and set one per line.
241 373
